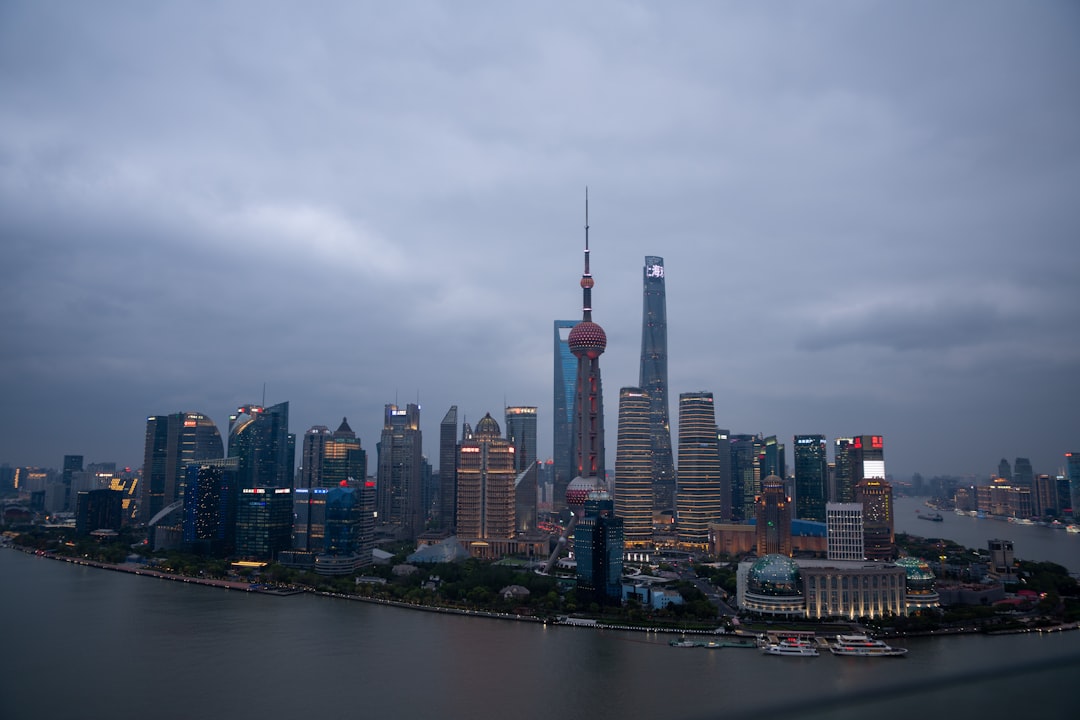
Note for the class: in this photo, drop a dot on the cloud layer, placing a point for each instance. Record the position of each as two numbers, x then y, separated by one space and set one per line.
868 214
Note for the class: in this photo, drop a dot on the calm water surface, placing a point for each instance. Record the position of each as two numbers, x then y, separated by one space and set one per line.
1030 542
81 642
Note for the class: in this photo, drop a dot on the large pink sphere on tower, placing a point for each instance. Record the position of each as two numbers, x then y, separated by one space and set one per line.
587 338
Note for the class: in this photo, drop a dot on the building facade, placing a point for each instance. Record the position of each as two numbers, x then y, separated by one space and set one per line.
172 443
210 506
448 454
598 549
634 478
486 502
562 437
521 432
842 480
264 519
746 451
879 538
1072 472
844 523
699 497
259 439
773 526
811 477
400 451
653 380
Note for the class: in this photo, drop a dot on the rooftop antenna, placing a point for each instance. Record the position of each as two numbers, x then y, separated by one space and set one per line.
264 384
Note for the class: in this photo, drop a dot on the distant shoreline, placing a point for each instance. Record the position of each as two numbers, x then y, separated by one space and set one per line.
133 569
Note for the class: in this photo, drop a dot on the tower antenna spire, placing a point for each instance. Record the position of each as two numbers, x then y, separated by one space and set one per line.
586 277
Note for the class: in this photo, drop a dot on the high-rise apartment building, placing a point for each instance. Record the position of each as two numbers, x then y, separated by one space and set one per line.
400 451
486 502
100 509
72 464
347 515
562 437
172 443
311 456
773 526
598 549
1072 472
265 450
746 452
527 498
331 457
309 519
699 496
448 454
811 477
1023 475
263 522
867 457
879 539
521 432
844 531
634 484
210 499
344 460
723 451
843 477
773 459
1044 496
653 379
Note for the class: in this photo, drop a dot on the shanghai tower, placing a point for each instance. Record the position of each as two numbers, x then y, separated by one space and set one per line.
654 379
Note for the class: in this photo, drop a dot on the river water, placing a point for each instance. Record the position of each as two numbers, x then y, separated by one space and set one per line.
1030 542
83 642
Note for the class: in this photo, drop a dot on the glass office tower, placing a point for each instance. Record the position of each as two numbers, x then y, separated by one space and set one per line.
653 380
563 424
811 477
172 443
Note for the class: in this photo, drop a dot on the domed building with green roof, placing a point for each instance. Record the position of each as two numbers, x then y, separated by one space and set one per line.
774 587
920 584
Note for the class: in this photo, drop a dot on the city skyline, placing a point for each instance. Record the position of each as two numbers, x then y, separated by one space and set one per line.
859 237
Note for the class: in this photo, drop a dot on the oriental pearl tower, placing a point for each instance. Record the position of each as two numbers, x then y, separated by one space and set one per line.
587 341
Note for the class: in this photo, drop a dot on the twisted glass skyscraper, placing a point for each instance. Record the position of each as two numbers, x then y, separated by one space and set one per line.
653 381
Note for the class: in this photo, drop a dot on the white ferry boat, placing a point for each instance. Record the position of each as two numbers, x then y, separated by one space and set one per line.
790 646
864 646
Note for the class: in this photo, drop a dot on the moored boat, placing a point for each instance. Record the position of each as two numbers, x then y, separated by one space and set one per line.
791 647
860 645
683 642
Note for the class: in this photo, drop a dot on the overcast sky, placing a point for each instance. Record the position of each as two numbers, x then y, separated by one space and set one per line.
869 214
